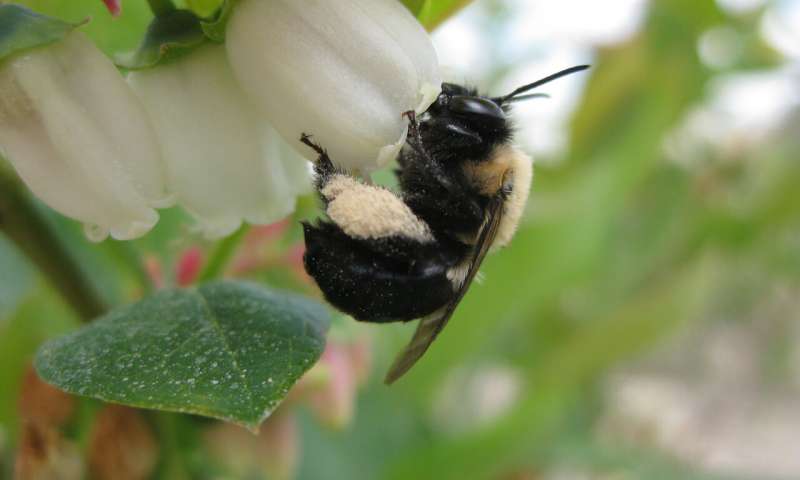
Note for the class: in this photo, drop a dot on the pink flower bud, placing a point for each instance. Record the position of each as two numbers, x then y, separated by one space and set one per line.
114 6
189 266
334 403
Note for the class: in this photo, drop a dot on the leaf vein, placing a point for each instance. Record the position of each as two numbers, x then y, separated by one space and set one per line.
216 325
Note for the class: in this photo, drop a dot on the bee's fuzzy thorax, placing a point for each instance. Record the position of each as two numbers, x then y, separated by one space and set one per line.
520 172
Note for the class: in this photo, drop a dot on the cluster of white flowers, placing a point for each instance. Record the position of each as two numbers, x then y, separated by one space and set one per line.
204 130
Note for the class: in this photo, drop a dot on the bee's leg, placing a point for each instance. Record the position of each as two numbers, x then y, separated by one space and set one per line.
323 167
433 194
424 157
377 280
414 136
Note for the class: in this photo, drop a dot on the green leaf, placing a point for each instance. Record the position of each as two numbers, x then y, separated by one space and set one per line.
215 27
431 13
169 36
113 35
226 350
204 8
21 29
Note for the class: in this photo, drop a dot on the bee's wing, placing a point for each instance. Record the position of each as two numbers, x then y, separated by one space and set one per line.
429 327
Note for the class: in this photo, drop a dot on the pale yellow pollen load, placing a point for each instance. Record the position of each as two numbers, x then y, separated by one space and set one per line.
371 212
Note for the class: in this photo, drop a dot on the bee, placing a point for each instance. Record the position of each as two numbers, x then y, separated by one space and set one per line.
383 257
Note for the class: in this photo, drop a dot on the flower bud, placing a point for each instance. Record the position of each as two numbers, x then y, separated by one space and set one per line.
80 139
343 72
122 445
223 161
113 7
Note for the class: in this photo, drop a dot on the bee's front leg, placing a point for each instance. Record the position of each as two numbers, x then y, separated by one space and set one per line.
424 160
323 166
414 136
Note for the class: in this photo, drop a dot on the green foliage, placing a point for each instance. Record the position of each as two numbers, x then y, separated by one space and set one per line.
39 316
215 27
204 8
21 29
433 12
169 36
13 265
113 35
224 350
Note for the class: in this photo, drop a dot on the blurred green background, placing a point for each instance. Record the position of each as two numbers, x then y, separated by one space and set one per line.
644 322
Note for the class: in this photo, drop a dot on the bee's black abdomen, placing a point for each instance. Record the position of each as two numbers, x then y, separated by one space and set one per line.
384 280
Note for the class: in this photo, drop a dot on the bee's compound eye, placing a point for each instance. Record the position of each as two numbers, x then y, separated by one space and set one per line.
443 100
479 106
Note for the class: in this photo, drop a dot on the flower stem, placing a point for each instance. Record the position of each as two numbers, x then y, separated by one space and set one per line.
24 223
161 7
222 255
173 465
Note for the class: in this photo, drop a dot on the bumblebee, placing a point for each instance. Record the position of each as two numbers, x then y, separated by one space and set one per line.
383 257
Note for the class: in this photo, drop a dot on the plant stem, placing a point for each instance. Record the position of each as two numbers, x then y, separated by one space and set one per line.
161 7
222 255
23 222
173 465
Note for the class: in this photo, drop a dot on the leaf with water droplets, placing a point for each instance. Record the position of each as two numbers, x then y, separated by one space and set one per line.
227 350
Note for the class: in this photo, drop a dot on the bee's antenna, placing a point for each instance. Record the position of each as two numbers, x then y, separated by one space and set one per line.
539 83
530 96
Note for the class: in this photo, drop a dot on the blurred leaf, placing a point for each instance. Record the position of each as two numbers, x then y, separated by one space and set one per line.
635 462
743 36
557 381
225 350
16 280
112 35
168 37
432 13
204 8
215 27
39 317
21 29
373 440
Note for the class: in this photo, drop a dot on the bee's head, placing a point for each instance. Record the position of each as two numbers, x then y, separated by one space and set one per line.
464 103
461 120
469 120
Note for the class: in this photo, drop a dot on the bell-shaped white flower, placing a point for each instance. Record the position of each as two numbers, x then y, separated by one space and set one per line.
342 71
80 139
224 163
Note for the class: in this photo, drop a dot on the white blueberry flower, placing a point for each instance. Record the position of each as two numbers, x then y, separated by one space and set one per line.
80 139
342 71
223 161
